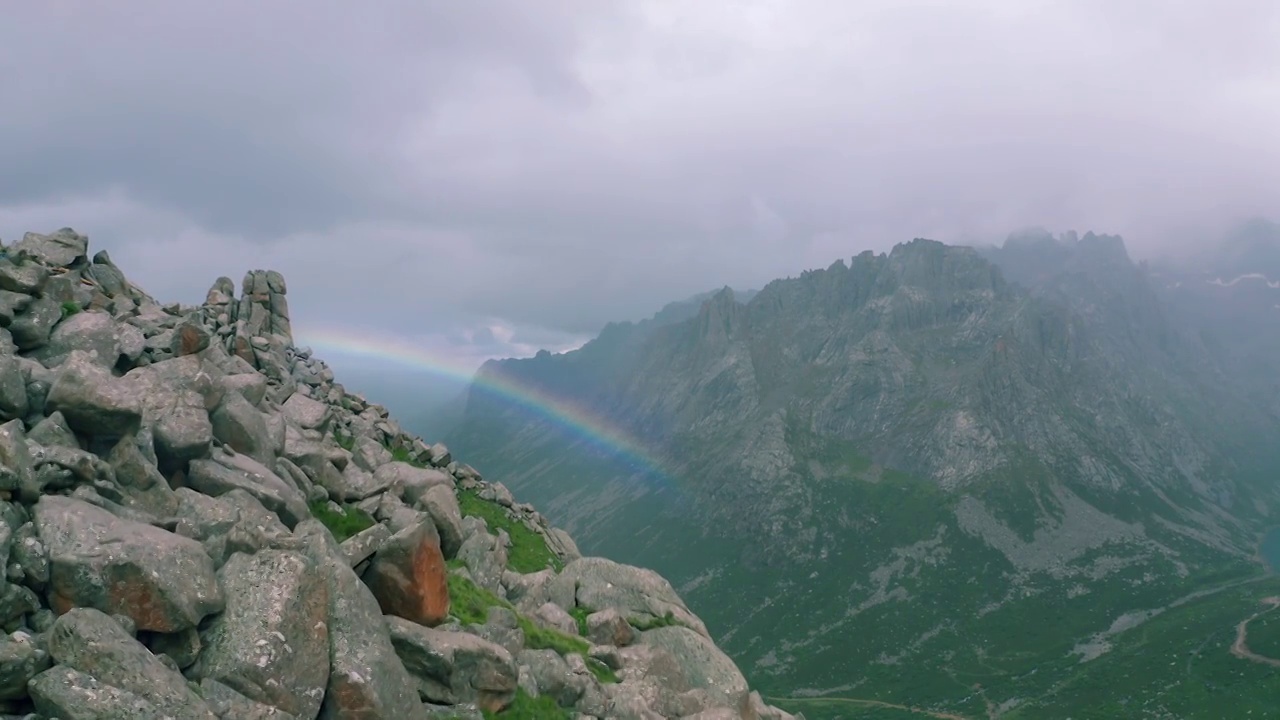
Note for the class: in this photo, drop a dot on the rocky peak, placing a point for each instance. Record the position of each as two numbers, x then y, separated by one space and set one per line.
278 546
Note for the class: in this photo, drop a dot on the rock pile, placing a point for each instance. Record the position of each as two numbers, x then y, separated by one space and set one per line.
197 522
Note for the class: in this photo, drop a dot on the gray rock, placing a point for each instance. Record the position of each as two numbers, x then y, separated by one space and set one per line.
11 303
17 467
59 249
485 557
361 546
271 644
13 390
440 456
243 428
636 592
352 485
305 412
24 278
369 454
208 520
553 616
553 677
67 694
132 342
53 430
454 668
92 401
94 333
366 677
29 554
21 659
31 328
163 581
225 473
182 647
501 627
441 503
89 641
251 385
231 705
409 481
609 627
702 665
138 477
181 435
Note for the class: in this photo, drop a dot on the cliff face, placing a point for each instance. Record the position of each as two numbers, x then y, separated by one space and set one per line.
891 470
197 521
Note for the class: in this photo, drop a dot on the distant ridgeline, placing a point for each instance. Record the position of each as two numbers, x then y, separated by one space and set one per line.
198 522
1018 481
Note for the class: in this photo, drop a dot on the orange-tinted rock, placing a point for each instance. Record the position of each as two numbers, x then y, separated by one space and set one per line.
408 576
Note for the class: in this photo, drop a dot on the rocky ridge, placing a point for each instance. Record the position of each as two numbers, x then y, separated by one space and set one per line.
197 521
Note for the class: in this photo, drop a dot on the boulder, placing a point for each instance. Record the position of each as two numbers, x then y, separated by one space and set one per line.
407 575
89 641
454 668
57 249
92 400
410 481
271 644
441 503
160 580
225 473
367 679
635 592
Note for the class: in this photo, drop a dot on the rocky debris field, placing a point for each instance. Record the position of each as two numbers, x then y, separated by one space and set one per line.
198 522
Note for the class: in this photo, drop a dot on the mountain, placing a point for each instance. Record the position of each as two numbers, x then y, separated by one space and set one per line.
940 478
1230 295
198 522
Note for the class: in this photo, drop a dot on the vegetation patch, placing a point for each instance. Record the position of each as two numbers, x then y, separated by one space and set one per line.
580 614
70 308
537 637
469 602
526 707
653 623
528 552
604 674
342 523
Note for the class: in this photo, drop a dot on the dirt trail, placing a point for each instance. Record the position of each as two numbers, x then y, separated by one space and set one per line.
877 703
1240 648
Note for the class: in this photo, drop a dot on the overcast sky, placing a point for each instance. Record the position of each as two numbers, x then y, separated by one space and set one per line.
487 177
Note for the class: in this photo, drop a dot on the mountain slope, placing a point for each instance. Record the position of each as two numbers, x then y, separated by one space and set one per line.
197 522
883 476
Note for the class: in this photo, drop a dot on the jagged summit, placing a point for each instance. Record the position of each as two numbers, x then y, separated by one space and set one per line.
197 522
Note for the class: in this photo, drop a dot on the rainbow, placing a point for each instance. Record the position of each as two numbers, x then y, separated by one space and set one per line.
589 427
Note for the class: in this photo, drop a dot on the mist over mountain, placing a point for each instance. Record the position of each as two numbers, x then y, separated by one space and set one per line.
915 457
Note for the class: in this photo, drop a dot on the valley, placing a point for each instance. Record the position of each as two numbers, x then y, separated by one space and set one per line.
908 484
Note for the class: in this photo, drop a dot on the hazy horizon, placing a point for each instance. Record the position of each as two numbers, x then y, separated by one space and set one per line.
486 179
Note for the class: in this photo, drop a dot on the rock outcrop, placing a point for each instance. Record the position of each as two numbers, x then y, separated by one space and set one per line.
197 521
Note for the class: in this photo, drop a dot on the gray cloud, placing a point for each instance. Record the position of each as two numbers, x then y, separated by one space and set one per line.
435 170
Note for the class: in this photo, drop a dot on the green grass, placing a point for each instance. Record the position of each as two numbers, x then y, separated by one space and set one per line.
537 637
525 707
580 614
69 308
346 442
470 604
603 673
529 552
1177 664
350 521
